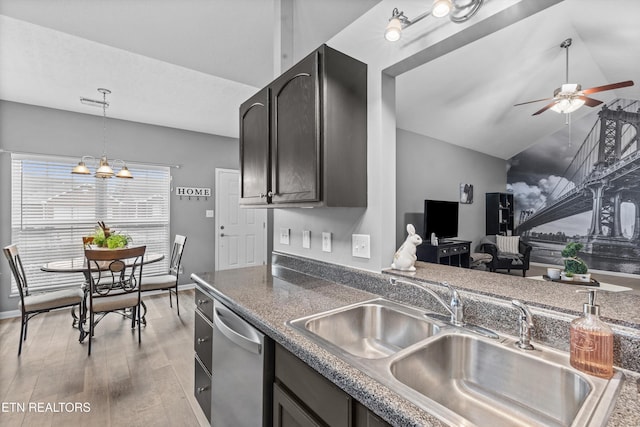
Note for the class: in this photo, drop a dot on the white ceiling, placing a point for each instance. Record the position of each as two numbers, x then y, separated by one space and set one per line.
466 97
186 64
189 64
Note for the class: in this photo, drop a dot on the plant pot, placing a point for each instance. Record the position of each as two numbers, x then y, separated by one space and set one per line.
563 276
586 277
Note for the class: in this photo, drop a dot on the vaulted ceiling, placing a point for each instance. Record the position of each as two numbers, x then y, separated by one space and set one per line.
188 64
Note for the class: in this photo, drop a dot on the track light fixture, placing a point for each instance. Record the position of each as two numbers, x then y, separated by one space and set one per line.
457 10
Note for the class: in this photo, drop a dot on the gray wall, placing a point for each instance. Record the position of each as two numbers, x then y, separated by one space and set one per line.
431 169
32 129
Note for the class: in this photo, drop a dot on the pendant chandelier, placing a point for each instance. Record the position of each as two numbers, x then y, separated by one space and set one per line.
104 170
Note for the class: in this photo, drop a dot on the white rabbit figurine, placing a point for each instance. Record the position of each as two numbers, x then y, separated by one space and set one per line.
405 256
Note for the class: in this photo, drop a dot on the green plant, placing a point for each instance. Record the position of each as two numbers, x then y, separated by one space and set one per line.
117 241
572 263
112 241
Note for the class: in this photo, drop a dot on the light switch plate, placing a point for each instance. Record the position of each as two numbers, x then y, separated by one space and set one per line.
326 242
306 239
360 245
284 236
209 213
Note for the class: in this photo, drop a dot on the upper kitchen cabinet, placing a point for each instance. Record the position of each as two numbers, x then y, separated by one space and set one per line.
303 138
255 148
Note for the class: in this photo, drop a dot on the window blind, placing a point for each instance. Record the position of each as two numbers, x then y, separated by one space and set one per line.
51 209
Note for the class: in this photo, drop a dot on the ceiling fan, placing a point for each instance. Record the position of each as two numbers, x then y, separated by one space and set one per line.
571 96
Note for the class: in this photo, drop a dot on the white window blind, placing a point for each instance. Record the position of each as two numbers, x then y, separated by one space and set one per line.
51 210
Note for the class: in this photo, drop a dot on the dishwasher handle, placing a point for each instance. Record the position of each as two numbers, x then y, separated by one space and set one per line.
219 312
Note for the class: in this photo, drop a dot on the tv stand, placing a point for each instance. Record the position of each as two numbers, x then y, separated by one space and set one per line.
447 252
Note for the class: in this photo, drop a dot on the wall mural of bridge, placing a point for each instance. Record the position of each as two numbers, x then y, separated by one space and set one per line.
583 184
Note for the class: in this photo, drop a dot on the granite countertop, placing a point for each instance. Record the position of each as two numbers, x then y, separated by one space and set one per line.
615 307
269 296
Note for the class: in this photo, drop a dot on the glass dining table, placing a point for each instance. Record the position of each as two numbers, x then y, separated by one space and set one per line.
79 265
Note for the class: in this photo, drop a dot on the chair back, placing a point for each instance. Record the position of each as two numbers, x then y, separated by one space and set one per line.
13 256
176 254
114 271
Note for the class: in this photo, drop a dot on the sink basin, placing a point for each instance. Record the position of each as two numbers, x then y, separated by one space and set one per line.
371 330
495 384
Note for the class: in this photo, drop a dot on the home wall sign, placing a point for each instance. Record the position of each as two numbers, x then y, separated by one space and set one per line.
193 192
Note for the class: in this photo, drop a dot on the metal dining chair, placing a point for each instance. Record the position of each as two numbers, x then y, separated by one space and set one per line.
33 304
168 281
115 276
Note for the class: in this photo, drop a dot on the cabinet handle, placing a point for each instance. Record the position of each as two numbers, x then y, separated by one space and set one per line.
202 389
262 195
202 340
203 301
271 194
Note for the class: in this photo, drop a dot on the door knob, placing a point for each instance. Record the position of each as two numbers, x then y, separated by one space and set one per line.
222 227
221 234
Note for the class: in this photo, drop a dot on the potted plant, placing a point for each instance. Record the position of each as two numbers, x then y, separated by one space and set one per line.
573 265
106 239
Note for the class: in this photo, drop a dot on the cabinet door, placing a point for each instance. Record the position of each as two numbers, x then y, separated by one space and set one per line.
288 413
254 149
296 133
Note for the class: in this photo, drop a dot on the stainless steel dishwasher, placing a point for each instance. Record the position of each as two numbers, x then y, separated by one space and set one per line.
242 372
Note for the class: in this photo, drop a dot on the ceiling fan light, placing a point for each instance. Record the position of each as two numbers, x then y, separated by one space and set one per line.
567 105
394 30
441 8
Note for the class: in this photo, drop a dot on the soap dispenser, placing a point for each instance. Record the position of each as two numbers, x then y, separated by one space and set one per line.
591 343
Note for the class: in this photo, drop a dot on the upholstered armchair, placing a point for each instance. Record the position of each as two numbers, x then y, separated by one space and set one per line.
505 258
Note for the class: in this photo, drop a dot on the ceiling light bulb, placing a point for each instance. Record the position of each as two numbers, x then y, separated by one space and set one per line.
441 8
394 30
567 105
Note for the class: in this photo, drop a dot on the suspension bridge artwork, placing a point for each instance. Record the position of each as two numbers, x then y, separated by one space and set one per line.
583 184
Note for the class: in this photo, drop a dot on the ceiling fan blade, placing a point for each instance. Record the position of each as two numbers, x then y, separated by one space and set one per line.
607 87
590 102
531 102
545 108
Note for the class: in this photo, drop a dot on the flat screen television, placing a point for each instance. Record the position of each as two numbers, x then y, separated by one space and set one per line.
441 218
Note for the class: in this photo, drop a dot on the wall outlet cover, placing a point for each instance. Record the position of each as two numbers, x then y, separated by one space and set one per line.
306 239
361 245
284 236
326 242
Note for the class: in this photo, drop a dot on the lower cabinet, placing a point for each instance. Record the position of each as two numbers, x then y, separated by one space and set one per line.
202 387
287 412
302 397
203 331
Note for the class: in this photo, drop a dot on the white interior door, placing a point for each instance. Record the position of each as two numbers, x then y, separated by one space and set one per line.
241 234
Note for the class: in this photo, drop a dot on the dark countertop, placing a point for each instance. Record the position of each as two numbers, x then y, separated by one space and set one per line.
269 296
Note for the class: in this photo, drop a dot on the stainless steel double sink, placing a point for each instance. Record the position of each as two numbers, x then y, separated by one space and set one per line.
460 377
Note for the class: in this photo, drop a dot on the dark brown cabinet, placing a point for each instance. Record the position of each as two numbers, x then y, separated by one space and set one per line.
304 137
302 397
499 213
203 332
255 148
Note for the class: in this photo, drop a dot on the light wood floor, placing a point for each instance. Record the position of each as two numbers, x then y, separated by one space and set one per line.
124 384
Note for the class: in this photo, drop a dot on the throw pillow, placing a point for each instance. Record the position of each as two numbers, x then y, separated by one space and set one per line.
508 244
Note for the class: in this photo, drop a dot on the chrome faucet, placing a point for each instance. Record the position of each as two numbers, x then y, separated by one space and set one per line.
455 308
525 325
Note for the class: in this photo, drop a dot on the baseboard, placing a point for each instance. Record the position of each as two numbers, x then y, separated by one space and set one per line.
9 314
16 313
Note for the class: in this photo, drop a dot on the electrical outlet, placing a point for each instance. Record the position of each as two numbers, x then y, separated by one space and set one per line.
360 245
284 236
306 239
326 242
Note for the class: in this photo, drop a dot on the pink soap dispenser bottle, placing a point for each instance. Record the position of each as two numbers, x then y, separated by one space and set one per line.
591 343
